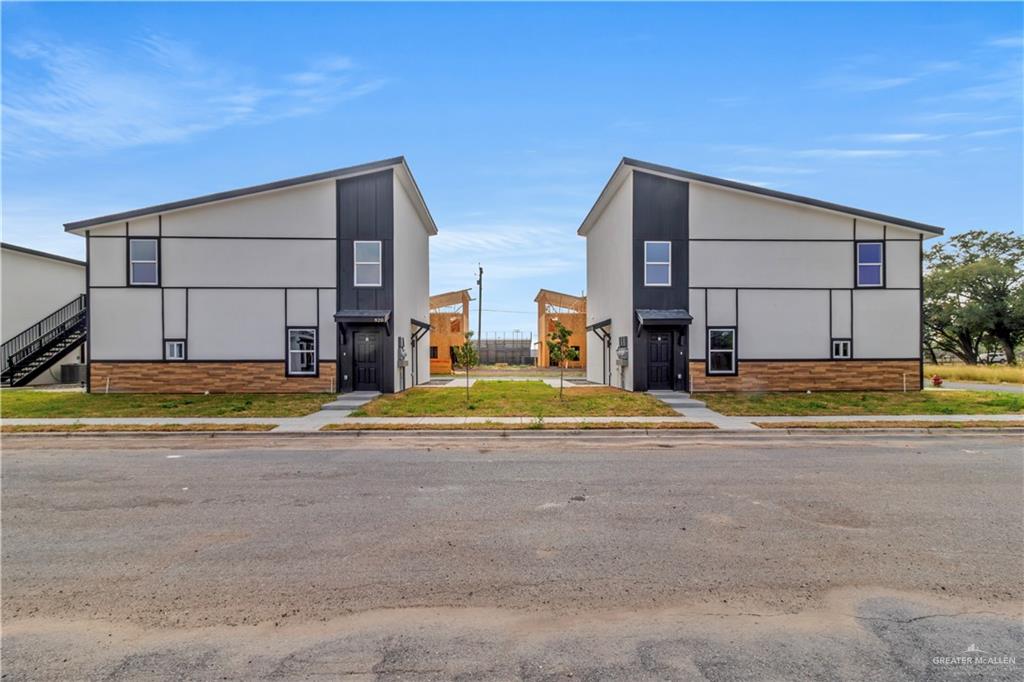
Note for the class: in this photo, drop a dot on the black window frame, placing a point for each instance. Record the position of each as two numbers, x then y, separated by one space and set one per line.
128 262
856 263
184 350
832 348
735 351
288 351
433 353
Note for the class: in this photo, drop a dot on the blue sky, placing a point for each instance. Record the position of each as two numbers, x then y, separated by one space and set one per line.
512 117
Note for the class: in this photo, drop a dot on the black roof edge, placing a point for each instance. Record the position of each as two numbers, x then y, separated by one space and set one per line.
785 196
233 193
42 254
598 325
420 324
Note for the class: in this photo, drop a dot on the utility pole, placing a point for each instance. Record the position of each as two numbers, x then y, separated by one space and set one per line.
479 305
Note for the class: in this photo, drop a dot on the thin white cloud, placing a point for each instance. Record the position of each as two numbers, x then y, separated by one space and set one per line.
834 153
896 138
1016 40
993 132
511 252
65 98
773 170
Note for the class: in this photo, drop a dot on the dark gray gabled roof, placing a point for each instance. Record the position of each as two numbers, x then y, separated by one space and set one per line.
41 254
753 189
254 189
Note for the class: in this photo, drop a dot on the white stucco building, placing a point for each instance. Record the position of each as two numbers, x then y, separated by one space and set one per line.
42 301
704 284
315 283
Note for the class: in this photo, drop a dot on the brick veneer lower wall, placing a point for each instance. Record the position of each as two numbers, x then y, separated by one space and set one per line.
199 377
811 375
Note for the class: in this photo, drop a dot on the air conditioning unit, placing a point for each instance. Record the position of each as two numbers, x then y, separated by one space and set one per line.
72 374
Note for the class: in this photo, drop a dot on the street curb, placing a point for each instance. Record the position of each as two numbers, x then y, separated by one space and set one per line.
547 433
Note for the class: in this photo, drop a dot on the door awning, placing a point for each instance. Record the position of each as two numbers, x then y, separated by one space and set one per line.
363 316
668 317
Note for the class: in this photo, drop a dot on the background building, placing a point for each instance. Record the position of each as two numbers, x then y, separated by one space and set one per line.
449 322
571 311
42 317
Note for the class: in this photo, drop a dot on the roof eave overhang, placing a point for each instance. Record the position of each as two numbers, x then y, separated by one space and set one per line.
405 176
933 230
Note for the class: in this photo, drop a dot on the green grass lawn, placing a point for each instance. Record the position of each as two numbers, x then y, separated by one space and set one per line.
41 404
866 402
514 399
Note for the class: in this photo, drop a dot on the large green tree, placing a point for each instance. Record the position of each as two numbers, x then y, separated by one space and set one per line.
974 294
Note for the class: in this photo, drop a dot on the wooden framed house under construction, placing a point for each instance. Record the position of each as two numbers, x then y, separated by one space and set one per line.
449 322
571 311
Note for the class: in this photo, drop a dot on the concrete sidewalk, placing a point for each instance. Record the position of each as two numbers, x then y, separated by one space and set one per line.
314 422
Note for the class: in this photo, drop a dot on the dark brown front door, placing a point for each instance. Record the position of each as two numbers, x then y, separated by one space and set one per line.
659 361
367 361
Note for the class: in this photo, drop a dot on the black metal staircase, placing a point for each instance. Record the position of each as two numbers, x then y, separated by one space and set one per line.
36 349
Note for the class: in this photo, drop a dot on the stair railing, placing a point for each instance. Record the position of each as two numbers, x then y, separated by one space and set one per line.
42 333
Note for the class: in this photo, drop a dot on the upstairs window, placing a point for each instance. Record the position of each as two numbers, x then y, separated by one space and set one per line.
657 264
870 264
721 350
302 358
433 352
143 262
367 264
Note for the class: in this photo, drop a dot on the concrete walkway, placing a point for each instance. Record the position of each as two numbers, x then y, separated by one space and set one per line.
971 386
460 382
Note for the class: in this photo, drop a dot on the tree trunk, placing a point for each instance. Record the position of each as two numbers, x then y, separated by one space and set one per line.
467 384
561 380
1011 356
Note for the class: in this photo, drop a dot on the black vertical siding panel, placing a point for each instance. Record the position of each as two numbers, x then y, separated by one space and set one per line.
661 212
365 211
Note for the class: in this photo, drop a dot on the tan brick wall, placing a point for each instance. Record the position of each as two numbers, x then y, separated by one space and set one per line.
811 375
199 377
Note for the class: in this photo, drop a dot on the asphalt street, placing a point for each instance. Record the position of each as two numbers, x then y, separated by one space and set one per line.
699 557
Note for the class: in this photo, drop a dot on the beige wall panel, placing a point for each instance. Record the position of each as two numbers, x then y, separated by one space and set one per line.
125 324
771 264
108 265
148 226
302 307
111 230
869 229
328 327
412 285
717 213
697 327
237 324
609 282
721 307
886 324
783 324
305 211
174 314
902 264
33 287
840 315
896 232
249 262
